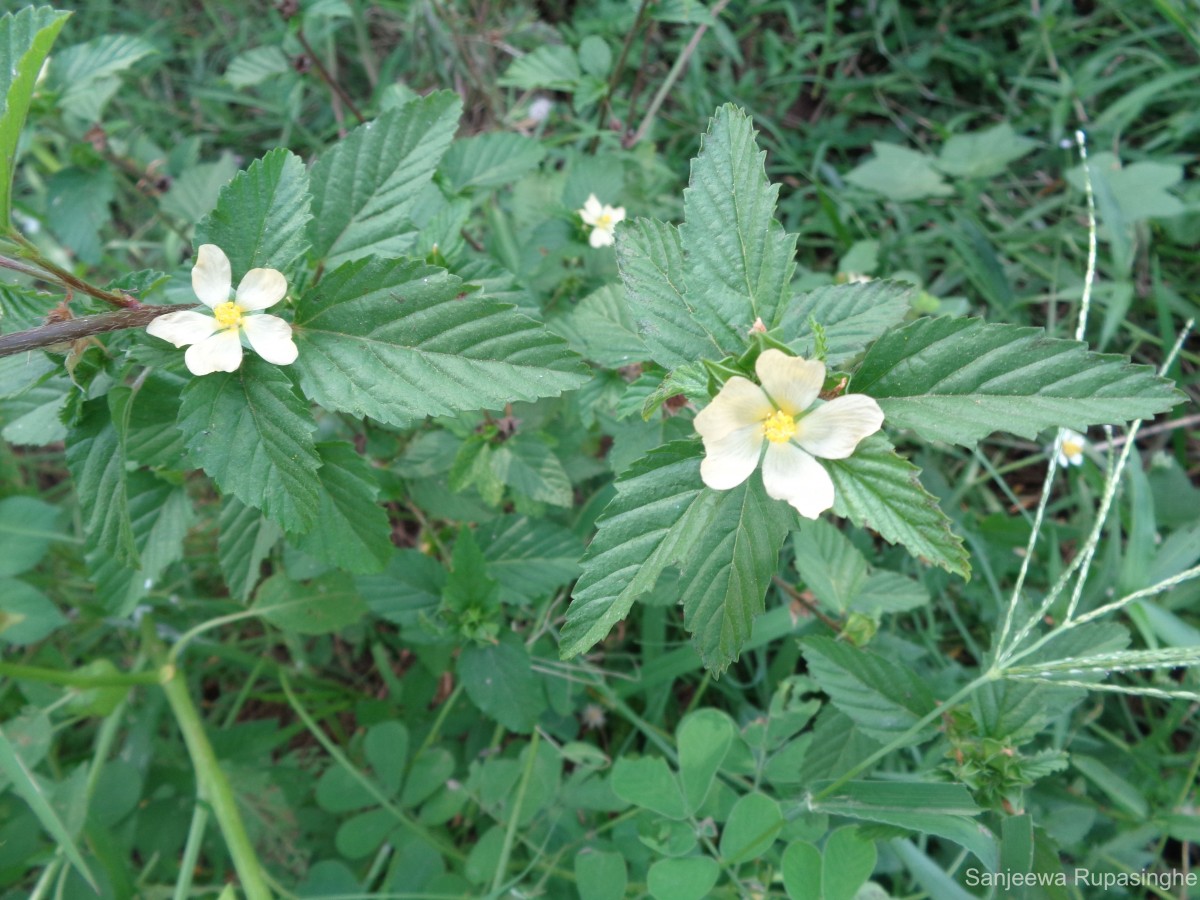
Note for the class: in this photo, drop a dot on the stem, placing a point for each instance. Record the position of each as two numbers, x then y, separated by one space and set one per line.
75 679
327 77
510 833
211 782
61 275
74 329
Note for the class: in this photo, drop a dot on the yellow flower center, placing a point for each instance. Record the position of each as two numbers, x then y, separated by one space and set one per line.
228 314
1070 448
779 427
604 222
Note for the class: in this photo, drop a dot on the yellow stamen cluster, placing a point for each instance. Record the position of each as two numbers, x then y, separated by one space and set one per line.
779 427
1070 448
228 315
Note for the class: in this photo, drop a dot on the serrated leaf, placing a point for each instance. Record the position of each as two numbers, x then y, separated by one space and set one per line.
398 341
152 438
899 174
251 433
882 696
660 510
500 681
77 208
983 154
194 193
650 260
724 578
490 160
256 65
958 380
96 458
410 587
877 488
320 606
529 558
160 515
831 567
365 187
532 470
351 529
552 66
245 537
25 42
261 217
740 260
601 328
83 74
852 315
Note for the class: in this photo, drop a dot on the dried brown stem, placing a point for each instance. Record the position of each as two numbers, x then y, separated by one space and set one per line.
327 76
74 329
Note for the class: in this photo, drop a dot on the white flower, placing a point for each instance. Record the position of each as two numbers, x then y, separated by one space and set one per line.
216 334
603 219
1070 451
743 417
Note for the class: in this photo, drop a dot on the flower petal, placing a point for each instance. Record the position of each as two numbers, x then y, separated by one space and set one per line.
833 430
211 276
792 381
271 338
222 352
601 237
791 474
729 460
592 210
182 328
261 288
616 213
738 404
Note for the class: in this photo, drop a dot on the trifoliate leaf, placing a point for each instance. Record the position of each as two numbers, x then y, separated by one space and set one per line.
878 489
261 217
365 187
958 380
398 341
740 260
251 433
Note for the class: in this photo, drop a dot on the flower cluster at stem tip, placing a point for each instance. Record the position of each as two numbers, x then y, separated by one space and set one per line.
217 333
784 416
603 219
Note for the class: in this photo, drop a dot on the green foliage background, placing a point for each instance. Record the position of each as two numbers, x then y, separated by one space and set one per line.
358 569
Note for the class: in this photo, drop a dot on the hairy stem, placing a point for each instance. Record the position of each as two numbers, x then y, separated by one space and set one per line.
85 326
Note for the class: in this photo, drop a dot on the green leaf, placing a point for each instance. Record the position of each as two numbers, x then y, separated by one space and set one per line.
751 828
26 614
878 489
740 260
728 569
599 875
660 510
351 529
411 586
650 260
648 782
983 154
245 537
160 515
1138 190
899 174
529 558
691 878
499 680
958 380
320 606
77 208
848 863
532 470
261 216
852 315
250 432
96 458
884 697
25 41
398 341
981 263
490 160
921 806
832 567
703 739
256 65
152 438
551 66
84 75
800 866
27 526
601 328
195 192
364 188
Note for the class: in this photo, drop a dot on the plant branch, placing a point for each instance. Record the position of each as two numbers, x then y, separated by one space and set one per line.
45 270
327 76
73 329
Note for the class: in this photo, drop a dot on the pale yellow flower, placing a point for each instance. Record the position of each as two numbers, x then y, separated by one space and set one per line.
782 415
1070 452
216 334
603 219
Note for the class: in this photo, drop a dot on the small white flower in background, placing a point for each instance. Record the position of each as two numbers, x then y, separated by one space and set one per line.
1070 452
781 414
539 109
603 219
216 335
